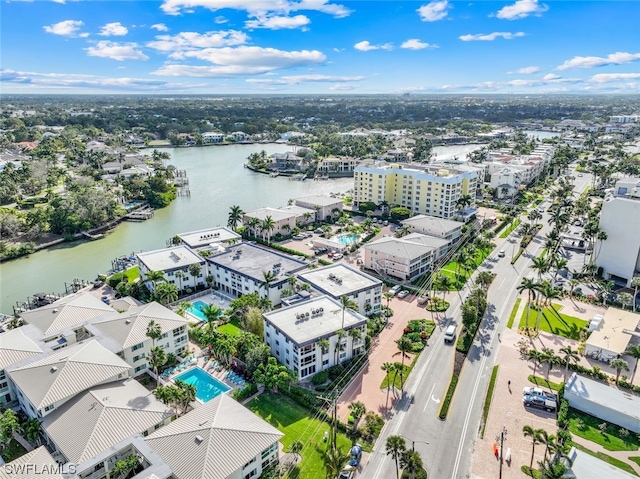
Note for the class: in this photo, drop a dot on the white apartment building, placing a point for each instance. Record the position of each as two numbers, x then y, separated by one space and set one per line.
16 345
242 268
337 166
426 189
404 258
323 205
338 280
129 331
208 238
625 119
284 222
434 226
211 137
174 263
293 333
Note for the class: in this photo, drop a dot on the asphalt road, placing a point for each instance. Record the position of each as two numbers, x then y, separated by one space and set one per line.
450 442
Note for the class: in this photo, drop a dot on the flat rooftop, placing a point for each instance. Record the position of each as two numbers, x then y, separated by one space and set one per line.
339 279
252 260
168 258
201 238
408 247
308 329
319 200
586 466
431 223
275 214
610 335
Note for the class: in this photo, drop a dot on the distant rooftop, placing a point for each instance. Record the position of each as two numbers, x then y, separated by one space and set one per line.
610 335
338 279
168 258
304 329
410 247
433 224
274 213
205 237
252 260
319 200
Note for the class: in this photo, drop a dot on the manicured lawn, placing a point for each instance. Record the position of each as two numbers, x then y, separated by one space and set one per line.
635 459
297 424
608 459
610 440
399 381
451 269
552 321
510 228
543 383
132 274
514 311
232 328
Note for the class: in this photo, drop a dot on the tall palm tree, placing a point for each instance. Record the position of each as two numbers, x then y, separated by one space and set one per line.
358 409
534 435
194 270
396 447
530 287
157 357
411 462
549 357
154 277
341 333
619 364
154 331
268 277
541 265
537 357
347 302
179 274
354 334
235 217
334 460
267 226
569 355
323 344
387 368
635 284
633 350
213 314
165 293
404 346
554 469
252 225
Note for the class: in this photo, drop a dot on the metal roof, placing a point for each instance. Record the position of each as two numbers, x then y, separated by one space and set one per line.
67 372
15 346
38 464
214 440
103 416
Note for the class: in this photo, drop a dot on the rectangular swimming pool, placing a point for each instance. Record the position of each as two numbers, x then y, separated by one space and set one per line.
207 387
196 310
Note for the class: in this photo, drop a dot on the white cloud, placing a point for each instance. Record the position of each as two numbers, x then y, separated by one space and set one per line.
59 1
192 40
528 70
258 7
365 46
342 87
522 9
278 22
66 28
161 27
613 77
297 79
243 60
617 58
116 51
115 29
434 11
416 44
489 37
220 20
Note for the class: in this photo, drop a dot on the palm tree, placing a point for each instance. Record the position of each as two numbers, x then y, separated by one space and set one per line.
341 333
634 352
405 345
268 277
534 435
154 277
347 302
387 368
251 225
323 344
635 284
235 217
537 357
125 466
296 447
619 364
183 307
396 447
411 462
388 296
358 409
165 293
541 265
354 334
267 226
157 357
569 355
194 270
484 279
554 469
154 331
549 357
531 287
179 274
334 460
626 299
186 394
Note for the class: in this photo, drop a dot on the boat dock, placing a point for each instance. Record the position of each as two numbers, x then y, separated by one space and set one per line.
140 215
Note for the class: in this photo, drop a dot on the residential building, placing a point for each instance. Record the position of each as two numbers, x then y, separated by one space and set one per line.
242 269
212 137
47 382
220 439
129 331
288 161
209 237
619 254
339 280
293 334
627 187
506 182
434 226
625 119
340 166
404 258
174 263
16 345
37 464
609 341
587 466
284 222
426 189
604 402
104 415
304 216
324 206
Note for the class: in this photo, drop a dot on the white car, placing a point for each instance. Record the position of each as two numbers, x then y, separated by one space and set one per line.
338 256
403 294
395 289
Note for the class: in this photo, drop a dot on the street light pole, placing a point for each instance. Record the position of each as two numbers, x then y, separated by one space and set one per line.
503 438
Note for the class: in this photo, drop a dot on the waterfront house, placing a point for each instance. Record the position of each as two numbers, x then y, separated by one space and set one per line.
129 331
243 267
337 166
212 137
324 206
339 280
208 238
283 222
174 263
220 439
17 345
293 333
288 161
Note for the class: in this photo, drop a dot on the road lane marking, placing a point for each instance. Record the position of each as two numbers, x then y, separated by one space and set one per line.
429 398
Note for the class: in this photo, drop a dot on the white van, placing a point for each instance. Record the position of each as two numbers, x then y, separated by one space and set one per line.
450 334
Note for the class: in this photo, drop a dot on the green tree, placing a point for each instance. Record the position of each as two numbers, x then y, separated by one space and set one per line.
530 286
388 368
568 355
195 270
334 460
537 357
534 435
154 332
633 350
267 226
411 462
8 425
154 277
349 303
273 375
165 293
157 357
235 217
396 447
31 429
619 364
125 467
404 345
213 314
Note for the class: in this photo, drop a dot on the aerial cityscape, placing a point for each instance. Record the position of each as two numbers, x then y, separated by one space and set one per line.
345 240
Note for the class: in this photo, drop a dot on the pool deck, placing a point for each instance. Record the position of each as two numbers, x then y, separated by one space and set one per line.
217 371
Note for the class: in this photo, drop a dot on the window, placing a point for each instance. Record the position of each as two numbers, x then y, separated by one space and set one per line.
139 357
49 407
135 347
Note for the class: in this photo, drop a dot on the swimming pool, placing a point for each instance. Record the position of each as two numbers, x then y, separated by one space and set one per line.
207 387
196 310
347 238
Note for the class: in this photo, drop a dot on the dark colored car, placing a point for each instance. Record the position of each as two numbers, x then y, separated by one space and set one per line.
356 454
539 403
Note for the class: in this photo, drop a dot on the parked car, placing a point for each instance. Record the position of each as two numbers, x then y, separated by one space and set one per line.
319 230
533 391
106 299
338 256
403 294
501 254
395 289
299 237
330 254
356 455
539 403
346 474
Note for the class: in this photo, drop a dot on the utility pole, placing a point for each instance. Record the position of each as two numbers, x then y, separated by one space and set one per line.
333 433
502 437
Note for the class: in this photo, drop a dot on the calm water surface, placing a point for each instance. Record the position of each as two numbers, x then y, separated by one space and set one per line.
217 180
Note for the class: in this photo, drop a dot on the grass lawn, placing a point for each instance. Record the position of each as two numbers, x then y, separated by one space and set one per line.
610 440
608 459
552 321
543 383
296 423
399 382
232 328
132 274
635 459
514 311
510 228
488 398
450 269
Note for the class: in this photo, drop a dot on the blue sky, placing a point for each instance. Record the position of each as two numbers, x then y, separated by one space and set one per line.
319 46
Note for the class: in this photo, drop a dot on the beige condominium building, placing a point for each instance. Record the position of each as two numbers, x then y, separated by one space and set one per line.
427 189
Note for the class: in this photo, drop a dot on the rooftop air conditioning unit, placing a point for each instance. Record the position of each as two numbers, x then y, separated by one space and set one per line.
199 439
54 369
